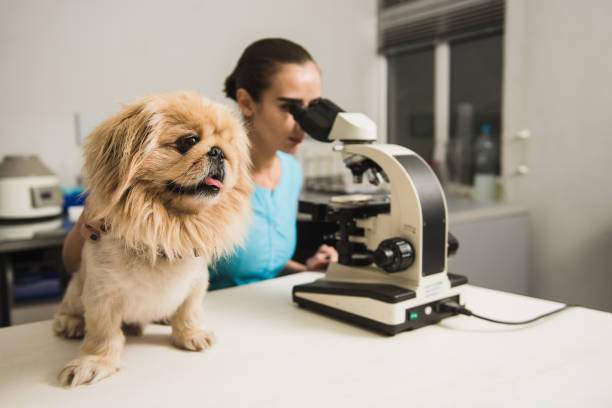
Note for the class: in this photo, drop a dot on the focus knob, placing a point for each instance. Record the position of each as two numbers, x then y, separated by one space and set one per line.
452 245
394 255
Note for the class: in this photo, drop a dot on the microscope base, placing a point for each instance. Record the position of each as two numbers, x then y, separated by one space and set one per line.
386 309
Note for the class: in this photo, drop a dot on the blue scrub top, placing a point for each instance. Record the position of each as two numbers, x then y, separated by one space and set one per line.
272 234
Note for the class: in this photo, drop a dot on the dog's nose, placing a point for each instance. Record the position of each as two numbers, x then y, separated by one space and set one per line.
216 153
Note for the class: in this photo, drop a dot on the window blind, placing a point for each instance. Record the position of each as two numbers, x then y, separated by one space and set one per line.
415 23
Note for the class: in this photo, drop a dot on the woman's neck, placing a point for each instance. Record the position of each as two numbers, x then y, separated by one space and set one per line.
266 166
263 159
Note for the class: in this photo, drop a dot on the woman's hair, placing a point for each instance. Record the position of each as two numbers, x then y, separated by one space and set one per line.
259 62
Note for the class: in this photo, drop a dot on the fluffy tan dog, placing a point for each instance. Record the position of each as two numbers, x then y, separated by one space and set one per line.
170 176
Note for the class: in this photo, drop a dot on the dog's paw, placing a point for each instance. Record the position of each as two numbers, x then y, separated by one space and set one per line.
194 340
86 370
70 326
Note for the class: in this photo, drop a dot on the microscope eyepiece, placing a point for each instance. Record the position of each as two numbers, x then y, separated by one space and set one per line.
317 119
298 111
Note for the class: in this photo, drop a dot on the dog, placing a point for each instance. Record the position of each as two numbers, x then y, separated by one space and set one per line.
170 177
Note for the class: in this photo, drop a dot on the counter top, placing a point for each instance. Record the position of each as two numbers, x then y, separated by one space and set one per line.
271 353
467 209
21 235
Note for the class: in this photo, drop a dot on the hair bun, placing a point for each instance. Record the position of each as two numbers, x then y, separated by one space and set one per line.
259 62
230 85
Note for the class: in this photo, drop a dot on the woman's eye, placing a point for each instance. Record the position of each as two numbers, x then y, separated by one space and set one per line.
285 107
185 143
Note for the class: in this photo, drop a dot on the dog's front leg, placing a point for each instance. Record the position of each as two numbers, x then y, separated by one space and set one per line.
103 342
187 325
69 320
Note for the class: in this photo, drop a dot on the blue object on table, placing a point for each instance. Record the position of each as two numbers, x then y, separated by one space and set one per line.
73 196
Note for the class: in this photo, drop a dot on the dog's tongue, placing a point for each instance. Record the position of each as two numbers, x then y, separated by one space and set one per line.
213 182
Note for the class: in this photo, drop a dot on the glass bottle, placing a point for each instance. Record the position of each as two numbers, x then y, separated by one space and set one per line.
486 163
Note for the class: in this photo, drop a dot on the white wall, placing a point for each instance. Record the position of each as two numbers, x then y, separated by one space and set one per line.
65 56
558 84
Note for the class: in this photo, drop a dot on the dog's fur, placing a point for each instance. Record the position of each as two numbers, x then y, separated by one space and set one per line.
167 220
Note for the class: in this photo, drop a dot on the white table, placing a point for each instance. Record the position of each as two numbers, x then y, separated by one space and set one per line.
272 353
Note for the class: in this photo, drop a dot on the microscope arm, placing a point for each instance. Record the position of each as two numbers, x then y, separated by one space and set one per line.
418 206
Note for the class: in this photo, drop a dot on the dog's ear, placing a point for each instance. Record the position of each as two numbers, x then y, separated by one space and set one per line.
114 151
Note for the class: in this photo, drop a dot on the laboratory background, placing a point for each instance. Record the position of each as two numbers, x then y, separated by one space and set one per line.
508 101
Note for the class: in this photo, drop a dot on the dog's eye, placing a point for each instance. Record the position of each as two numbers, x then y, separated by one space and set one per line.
185 143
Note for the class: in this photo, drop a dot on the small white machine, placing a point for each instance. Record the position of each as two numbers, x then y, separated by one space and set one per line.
28 189
391 274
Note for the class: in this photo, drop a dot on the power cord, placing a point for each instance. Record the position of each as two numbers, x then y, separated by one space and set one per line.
454 307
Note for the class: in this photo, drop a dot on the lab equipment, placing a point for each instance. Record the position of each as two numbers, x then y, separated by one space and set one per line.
391 274
28 189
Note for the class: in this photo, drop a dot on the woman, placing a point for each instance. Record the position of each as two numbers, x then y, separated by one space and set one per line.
270 74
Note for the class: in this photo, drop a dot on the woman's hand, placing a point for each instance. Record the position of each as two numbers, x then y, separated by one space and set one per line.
83 230
91 230
321 259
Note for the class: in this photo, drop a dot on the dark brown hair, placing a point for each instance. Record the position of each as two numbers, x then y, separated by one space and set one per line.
259 62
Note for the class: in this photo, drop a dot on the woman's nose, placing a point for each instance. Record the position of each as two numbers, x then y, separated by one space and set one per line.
298 129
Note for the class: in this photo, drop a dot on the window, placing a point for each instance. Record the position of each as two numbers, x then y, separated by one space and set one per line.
411 101
475 100
444 78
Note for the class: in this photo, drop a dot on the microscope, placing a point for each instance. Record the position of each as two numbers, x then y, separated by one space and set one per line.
391 273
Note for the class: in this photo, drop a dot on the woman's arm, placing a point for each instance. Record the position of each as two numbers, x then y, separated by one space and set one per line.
318 262
73 243
294 266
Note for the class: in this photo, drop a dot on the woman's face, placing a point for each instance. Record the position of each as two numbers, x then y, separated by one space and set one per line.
272 123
